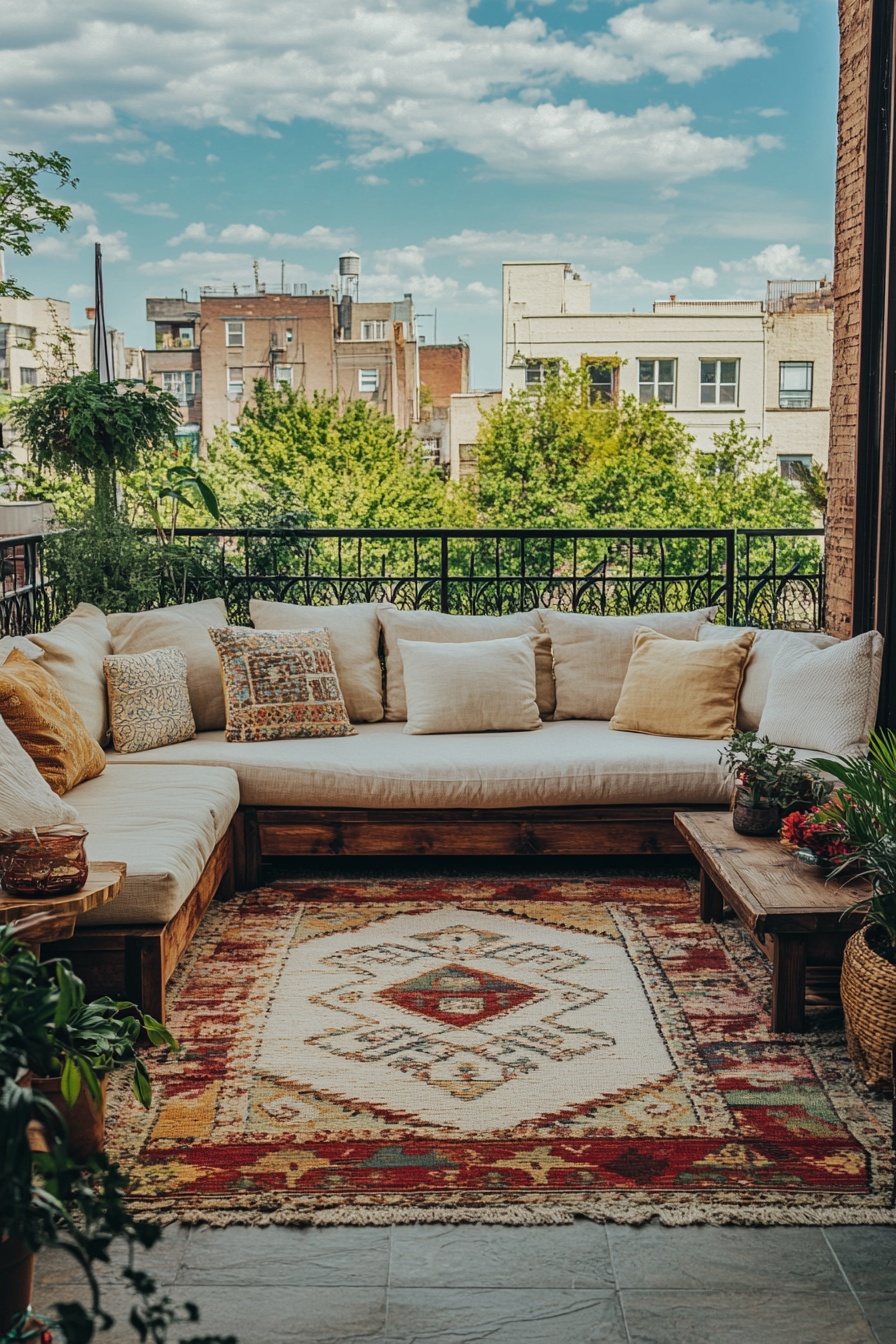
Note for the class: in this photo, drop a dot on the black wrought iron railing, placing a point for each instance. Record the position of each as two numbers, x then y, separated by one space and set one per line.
766 577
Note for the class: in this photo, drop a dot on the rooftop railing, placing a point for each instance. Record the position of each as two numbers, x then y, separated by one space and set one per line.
756 576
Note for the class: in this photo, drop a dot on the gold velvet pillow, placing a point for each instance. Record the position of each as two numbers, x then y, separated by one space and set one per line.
34 707
682 688
279 683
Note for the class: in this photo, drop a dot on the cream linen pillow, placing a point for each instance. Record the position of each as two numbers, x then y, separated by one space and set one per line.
185 628
354 642
149 702
824 699
435 627
23 644
26 799
73 653
480 686
591 654
760 663
682 688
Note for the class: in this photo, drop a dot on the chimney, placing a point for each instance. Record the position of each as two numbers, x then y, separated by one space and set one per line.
672 298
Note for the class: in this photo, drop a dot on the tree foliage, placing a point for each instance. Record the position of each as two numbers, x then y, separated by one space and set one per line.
24 210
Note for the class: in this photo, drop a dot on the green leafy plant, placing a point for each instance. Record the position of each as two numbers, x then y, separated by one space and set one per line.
24 209
770 775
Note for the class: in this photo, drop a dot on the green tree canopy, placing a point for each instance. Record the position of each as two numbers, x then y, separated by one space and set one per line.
25 210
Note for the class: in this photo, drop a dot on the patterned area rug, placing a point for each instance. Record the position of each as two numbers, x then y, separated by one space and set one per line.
456 1050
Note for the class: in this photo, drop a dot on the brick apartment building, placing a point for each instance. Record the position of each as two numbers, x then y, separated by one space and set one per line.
444 373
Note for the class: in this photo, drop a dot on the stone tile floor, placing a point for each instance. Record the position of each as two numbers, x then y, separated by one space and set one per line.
583 1283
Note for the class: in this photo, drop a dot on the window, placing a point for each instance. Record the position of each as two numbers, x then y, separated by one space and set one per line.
368 380
234 383
373 331
601 384
792 465
432 451
182 384
289 335
795 385
235 333
718 382
656 380
283 375
539 370
28 377
186 335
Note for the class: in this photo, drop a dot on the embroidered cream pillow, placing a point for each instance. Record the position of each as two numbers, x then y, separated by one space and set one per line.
682 687
279 683
149 701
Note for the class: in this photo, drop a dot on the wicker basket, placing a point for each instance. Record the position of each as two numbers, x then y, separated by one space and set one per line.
868 990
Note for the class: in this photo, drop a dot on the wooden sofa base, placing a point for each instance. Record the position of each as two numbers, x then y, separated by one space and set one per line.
136 961
279 833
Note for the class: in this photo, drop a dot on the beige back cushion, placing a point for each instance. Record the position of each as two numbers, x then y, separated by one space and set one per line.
435 627
760 662
481 686
591 654
354 642
824 699
73 653
185 628
682 687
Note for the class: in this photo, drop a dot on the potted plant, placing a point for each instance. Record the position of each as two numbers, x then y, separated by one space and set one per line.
768 781
864 808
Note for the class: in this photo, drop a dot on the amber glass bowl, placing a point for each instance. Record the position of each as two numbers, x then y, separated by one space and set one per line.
45 862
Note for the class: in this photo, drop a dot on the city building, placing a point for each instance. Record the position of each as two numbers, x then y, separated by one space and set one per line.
467 409
709 362
444 373
210 352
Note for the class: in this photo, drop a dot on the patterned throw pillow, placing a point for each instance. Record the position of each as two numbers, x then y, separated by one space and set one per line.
280 683
149 702
33 705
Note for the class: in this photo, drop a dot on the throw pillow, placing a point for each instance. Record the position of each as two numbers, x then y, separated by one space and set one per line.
435 627
682 688
186 628
279 683
354 641
26 799
476 687
50 730
73 653
760 662
149 702
23 644
824 699
591 654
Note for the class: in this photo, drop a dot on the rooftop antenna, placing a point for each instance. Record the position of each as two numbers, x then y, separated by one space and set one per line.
282 276
255 272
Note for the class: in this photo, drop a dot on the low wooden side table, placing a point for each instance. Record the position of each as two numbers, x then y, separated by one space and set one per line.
791 913
104 882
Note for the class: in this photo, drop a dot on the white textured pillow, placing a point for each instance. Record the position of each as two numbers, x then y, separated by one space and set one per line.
760 662
824 699
477 687
26 799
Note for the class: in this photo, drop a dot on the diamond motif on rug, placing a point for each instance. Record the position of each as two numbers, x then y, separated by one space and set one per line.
458 995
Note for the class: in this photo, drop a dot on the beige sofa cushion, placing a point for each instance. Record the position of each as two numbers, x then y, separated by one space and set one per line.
185 628
436 627
163 822
563 764
680 687
482 686
354 640
824 698
73 652
591 654
759 663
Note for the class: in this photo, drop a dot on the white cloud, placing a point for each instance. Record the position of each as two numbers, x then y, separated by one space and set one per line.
79 292
254 235
129 200
413 76
371 180
778 261
196 233
475 246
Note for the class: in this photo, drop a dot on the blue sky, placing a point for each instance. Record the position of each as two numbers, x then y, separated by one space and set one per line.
669 145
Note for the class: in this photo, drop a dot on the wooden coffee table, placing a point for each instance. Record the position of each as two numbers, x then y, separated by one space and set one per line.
790 911
104 882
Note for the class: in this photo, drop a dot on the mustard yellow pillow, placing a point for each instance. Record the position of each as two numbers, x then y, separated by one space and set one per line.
682 688
33 706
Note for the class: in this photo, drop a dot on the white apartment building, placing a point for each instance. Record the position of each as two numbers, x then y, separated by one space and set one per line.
709 362
467 409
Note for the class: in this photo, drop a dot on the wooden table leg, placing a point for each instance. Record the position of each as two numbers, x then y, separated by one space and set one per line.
789 982
712 903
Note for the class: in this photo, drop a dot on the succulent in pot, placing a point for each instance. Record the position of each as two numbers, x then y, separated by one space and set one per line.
768 783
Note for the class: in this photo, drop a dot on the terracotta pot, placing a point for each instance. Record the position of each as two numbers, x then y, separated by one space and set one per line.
16 1280
868 991
749 820
85 1120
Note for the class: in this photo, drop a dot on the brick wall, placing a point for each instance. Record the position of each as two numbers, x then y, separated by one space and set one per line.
445 369
855 17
